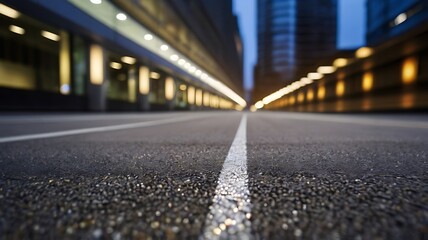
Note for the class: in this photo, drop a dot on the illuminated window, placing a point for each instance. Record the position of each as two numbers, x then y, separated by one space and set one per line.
310 95
64 64
409 71
321 92
31 61
96 65
169 88
292 100
367 81
206 99
300 97
144 80
340 88
214 101
122 80
191 95
198 97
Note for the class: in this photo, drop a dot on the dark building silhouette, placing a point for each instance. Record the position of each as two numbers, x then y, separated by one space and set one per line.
292 36
119 55
390 18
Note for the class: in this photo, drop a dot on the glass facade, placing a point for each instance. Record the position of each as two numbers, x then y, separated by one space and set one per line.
181 94
122 84
389 18
28 60
79 65
157 87
50 63
36 56
292 35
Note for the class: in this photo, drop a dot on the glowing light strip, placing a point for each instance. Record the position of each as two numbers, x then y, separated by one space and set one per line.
284 91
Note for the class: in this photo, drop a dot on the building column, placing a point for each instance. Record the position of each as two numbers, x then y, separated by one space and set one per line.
170 93
191 97
143 88
97 87
206 100
199 99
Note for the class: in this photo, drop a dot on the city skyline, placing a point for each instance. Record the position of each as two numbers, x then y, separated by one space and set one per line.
292 36
351 30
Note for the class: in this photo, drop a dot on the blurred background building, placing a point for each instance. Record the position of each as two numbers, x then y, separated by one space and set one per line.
292 36
390 73
390 18
119 55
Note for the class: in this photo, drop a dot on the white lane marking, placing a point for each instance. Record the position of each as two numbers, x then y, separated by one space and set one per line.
358 120
231 209
73 118
94 130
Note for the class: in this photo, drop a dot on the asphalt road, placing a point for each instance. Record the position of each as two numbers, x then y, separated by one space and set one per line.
194 175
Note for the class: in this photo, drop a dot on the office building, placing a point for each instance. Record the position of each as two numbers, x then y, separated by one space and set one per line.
292 36
119 55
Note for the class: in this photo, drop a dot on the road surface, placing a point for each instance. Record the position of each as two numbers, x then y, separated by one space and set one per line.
211 175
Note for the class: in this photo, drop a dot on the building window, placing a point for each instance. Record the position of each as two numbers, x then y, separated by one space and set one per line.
29 54
79 66
122 80
181 94
157 87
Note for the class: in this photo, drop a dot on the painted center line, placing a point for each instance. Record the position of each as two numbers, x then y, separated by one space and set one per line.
94 130
231 209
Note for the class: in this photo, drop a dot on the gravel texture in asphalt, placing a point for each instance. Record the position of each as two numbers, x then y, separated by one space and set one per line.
316 179
310 176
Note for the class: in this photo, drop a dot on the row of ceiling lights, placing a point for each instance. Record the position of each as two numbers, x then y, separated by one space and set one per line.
185 64
12 13
164 47
312 76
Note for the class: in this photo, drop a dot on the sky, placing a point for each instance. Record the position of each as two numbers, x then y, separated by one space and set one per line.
351 29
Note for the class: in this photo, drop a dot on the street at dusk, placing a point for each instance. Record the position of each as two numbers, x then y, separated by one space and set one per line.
213 119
